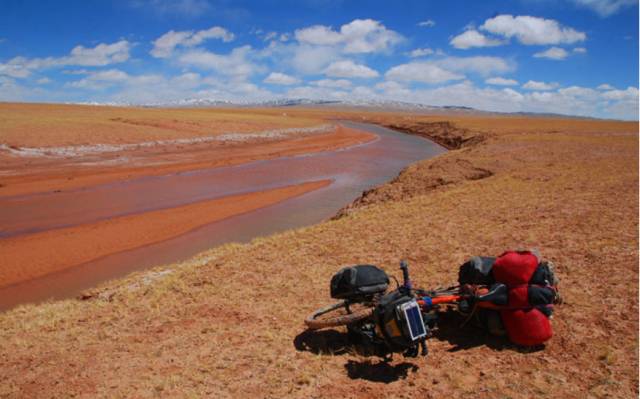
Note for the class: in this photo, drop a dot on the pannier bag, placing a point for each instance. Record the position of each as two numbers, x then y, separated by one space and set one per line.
400 321
358 281
477 270
530 294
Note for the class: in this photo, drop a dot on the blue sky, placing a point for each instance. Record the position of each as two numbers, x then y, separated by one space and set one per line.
568 56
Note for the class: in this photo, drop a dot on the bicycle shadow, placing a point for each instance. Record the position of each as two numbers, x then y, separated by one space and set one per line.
323 342
452 328
337 343
381 371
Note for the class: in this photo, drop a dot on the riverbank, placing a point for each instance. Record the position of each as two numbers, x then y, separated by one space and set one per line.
30 256
228 323
26 175
56 244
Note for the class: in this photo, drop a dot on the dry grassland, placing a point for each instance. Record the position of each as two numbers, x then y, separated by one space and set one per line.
47 125
228 323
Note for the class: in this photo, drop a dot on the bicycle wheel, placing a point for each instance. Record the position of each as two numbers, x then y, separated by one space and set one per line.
337 315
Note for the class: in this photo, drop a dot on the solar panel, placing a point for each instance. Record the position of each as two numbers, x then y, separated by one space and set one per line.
413 317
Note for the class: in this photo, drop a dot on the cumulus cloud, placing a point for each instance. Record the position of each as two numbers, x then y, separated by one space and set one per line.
447 69
278 78
395 90
349 69
536 85
427 24
358 36
308 59
553 53
473 38
421 52
574 100
580 50
332 83
101 79
164 46
16 67
425 72
482 65
605 8
100 55
532 30
237 63
320 35
315 92
629 94
605 86
498 81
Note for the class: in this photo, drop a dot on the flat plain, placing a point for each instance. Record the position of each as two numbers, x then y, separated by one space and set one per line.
228 322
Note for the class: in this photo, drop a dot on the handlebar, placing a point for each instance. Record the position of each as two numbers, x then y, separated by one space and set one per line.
405 274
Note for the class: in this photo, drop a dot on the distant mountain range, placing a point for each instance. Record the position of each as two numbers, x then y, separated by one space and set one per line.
359 104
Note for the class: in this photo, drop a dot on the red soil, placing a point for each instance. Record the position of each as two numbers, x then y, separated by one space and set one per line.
31 175
30 256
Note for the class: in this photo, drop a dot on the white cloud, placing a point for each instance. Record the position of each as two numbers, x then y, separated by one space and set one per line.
15 68
101 79
605 86
483 65
100 55
270 36
278 78
349 69
536 85
532 30
43 81
498 81
332 83
553 53
425 72
308 59
188 80
363 92
236 63
605 8
164 46
319 35
473 38
421 52
578 91
630 94
394 90
358 36
573 100
447 69
465 93
322 93
427 24
580 50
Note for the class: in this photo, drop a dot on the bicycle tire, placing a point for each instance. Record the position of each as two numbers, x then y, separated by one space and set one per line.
314 322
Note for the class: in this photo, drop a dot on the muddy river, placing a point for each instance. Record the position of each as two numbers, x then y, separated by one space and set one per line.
352 170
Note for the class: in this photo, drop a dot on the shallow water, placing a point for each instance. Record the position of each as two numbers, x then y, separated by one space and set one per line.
352 170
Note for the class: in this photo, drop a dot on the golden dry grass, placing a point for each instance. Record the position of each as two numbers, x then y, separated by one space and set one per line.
43 125
227 323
